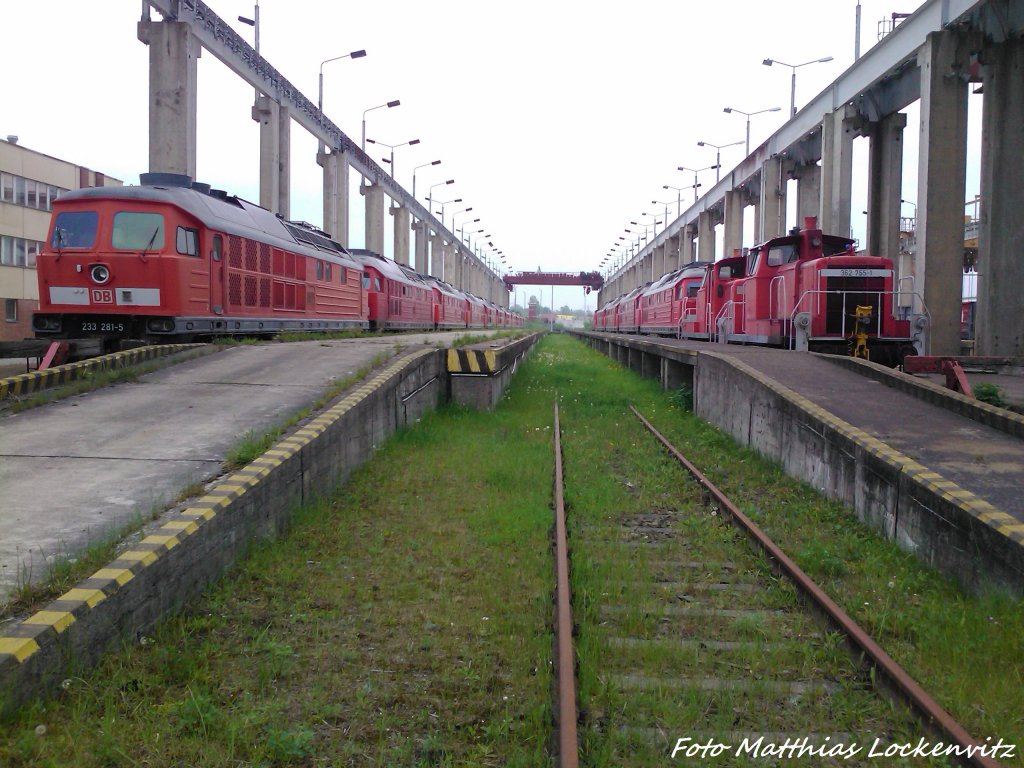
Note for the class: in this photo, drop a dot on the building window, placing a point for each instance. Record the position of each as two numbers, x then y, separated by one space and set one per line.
11 310
26 192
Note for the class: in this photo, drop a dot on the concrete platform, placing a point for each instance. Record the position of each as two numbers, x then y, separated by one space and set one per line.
76 469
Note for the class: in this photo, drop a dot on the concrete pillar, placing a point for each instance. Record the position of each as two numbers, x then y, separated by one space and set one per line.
836 173
437 256
705 236
173 57
374 195
284 162
808 192
941 186
733 229
266 112
336 182
452 266
403 225
885 186
999 328
422 246
772 207
686 254
673 259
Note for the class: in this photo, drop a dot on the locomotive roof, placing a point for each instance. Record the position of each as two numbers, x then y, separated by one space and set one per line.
387 267
225 213
693 269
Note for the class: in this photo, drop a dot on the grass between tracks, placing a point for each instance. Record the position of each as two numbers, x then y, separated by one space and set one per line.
405 620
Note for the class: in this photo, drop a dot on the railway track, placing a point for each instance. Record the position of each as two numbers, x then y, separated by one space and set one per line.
693 647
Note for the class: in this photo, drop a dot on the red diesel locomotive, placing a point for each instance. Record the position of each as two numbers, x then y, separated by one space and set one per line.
173 260
805 290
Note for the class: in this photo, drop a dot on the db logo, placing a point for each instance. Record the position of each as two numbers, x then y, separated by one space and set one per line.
102 296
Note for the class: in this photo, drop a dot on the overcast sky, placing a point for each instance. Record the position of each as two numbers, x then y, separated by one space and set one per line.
559 121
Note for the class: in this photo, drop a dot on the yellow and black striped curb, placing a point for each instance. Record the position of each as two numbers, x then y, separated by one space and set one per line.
981 510
27 383
488 361
998 418
472 361
20 640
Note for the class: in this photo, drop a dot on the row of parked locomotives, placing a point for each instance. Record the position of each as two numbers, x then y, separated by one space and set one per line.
806 290
173 260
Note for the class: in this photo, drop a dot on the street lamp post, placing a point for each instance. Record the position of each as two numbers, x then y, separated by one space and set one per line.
662 202
464 210
430 197
254 22
432 162
391 162
320 97
794 67
679 199
695 171
729 110
718 155
389 105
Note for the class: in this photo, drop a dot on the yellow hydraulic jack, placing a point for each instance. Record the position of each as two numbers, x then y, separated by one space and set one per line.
859 337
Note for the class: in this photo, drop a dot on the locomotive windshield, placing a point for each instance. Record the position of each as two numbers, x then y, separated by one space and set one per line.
75 229
138 231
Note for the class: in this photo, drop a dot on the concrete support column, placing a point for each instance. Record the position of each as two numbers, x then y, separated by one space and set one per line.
437 256
173 57
661 262
284 162
999 328
336 182
673 259
772 208
941 186
403 225
836 173
885 186
453 266
374 195
808 193
733 228
705 237
686 253
267 113
422 246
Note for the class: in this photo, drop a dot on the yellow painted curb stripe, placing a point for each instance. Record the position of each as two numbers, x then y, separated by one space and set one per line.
139 556
186 526
59 620
18 647
168 541
91 597
121 575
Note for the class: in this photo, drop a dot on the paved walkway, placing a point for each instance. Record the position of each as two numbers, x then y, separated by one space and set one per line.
79 468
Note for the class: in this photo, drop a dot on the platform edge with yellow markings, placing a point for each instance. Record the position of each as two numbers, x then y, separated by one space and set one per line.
190 548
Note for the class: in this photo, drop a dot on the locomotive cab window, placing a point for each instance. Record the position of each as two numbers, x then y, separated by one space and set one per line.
188 241
784 253
138 231
75 229
366 281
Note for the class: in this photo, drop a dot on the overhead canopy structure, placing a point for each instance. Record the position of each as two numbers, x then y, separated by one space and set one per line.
591 281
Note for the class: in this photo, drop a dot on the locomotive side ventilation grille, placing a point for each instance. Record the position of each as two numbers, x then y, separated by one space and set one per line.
235 252
853 292
234 289
252 256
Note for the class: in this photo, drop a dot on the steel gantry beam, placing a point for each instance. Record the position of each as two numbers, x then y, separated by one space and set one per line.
884 80
217 37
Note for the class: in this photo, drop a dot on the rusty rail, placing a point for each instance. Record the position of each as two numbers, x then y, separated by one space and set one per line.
568 747
925 705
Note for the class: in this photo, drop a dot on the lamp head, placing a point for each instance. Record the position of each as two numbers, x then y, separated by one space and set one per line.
394 103
414 141
767 62
727 110
357 54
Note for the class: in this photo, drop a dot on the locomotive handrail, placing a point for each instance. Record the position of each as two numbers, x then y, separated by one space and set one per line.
817 293
912 291
777 314
727 307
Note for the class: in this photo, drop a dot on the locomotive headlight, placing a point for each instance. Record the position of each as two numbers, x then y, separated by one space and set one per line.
99 274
